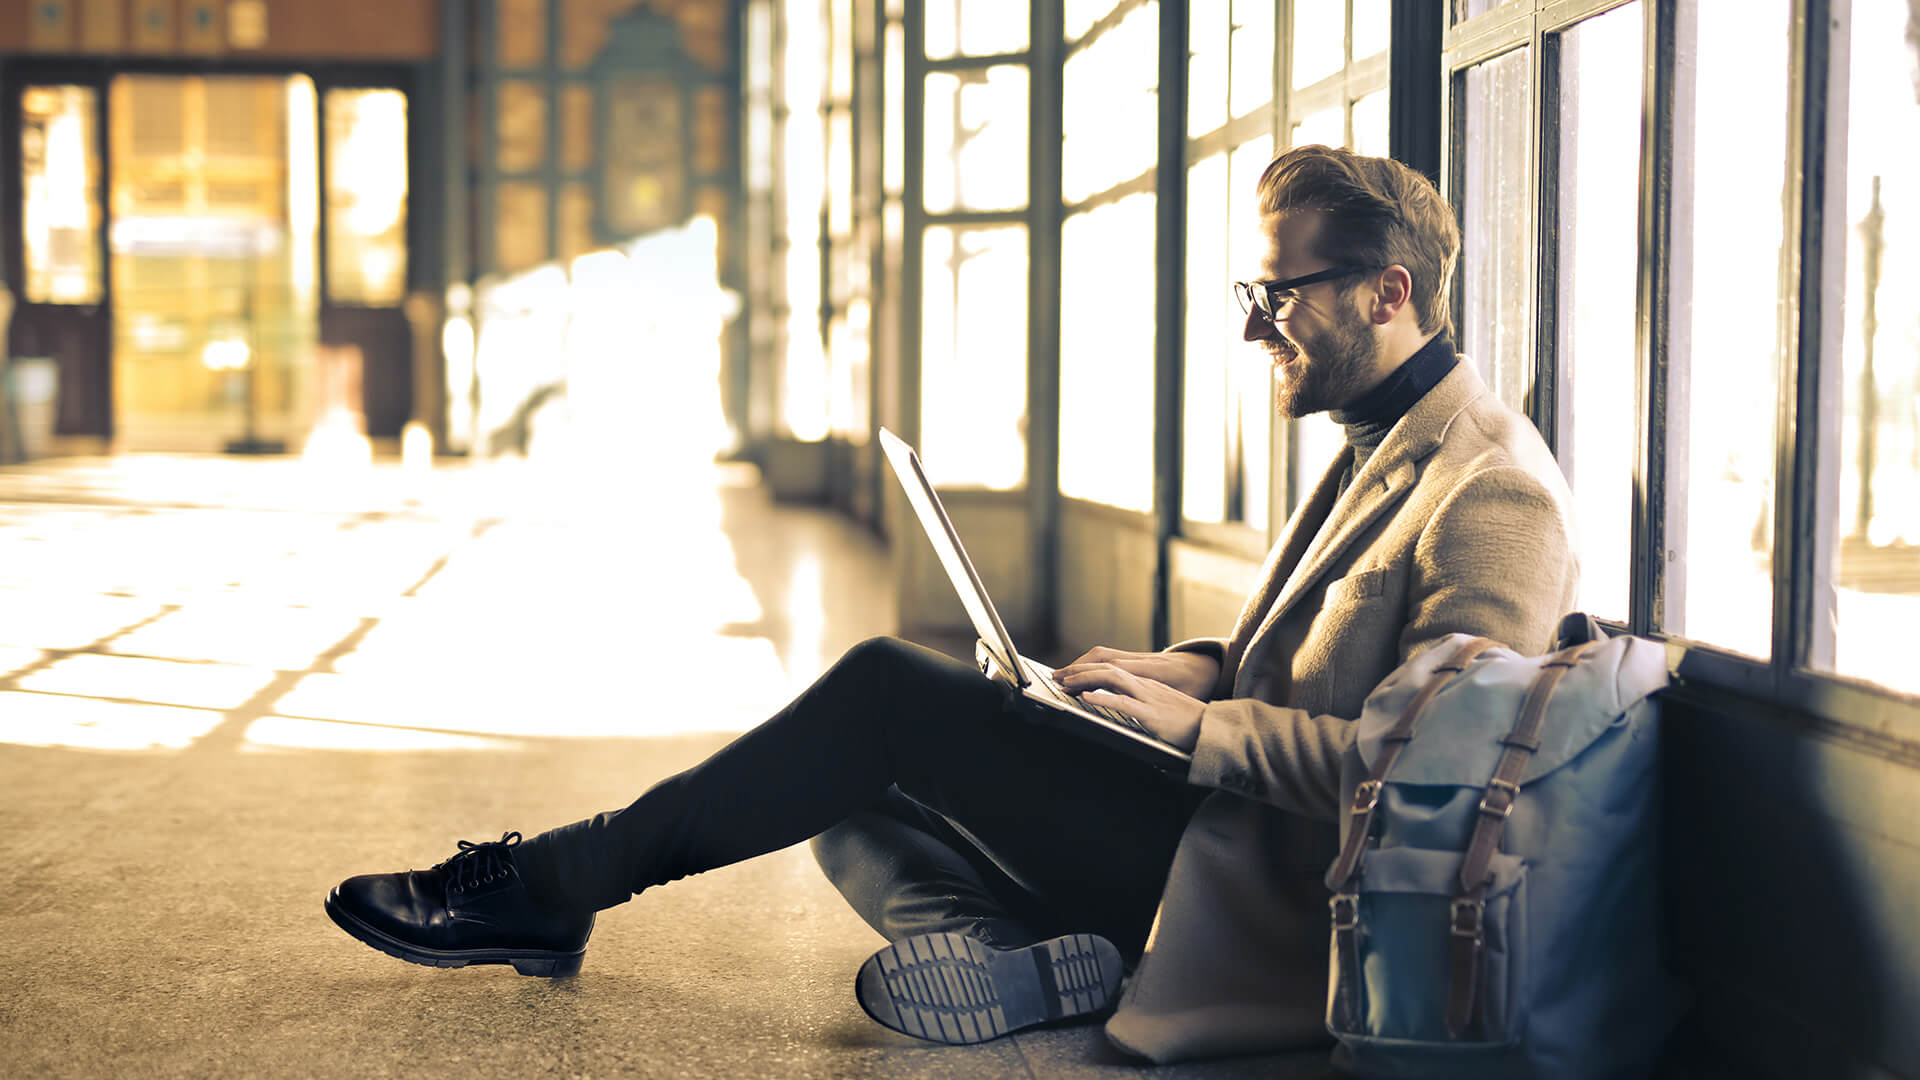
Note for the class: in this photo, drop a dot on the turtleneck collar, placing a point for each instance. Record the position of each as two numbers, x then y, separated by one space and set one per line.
1367 421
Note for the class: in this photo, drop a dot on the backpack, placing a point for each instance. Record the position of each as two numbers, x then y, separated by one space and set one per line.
1495 901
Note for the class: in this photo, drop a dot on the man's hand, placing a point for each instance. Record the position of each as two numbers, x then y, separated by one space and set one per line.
1191 673
1160 690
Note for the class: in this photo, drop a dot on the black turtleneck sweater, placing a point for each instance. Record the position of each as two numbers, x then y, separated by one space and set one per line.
1368 420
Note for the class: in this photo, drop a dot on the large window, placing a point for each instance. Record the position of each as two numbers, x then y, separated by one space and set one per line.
1723 371
974 251
1227 444
60 169
1876 572
1701 318
1337 75
1110 115
1596 215
366 196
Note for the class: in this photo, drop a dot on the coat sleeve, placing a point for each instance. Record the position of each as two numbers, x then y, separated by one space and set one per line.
1494 561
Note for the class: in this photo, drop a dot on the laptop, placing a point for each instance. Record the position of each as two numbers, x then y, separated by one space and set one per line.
995 653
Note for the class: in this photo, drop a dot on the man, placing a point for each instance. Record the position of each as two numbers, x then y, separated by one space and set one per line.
1022 868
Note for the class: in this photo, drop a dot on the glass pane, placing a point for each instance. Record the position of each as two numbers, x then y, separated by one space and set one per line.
60 167
1252 55
973 356
520 228
1210 332
214 259
1319 40
522 33
1208 35
803 386
1722 450
840 63
576 219
1496 253
366 196
976 139
1372 27
1110 108
975 27
1326 127
1599 209
1106 360
759 34
840 173
522 125
1250 375
893 143
1370 124
576 127
1462 10
1877 578
1318 439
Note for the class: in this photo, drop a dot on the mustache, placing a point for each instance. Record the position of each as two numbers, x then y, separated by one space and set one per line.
1280 347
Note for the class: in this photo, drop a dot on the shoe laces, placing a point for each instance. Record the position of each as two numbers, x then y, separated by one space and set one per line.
480 864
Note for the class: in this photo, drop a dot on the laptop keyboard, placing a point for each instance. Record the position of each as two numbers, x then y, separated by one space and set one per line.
1044 677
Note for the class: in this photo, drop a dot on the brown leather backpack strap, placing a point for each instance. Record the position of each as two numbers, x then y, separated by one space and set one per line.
1367 795
1344 1004
1496 804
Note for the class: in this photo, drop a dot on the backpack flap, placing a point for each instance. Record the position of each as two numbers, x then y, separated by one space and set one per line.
1476 710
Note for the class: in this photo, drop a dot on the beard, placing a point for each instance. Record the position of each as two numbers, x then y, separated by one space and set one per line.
1329 369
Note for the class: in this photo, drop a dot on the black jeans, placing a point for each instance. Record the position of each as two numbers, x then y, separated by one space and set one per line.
934 802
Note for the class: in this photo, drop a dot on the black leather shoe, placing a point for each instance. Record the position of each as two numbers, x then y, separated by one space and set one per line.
950 988
471 909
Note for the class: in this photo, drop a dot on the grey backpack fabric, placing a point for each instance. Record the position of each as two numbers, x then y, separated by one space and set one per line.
1495 901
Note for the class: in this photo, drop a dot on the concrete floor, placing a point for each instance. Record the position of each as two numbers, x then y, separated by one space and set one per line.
227 684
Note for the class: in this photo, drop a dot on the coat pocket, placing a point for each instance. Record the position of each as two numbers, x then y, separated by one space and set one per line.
1359 585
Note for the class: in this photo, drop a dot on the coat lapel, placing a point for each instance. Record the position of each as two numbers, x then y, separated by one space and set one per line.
1379 487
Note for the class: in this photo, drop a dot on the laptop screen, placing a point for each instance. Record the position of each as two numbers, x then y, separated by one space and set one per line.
946 544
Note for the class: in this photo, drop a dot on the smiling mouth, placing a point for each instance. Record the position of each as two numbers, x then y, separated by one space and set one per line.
1282 351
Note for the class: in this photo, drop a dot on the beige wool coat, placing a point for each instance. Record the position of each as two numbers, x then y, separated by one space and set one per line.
1460 522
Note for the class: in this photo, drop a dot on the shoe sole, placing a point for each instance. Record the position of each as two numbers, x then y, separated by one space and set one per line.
949 988
540 963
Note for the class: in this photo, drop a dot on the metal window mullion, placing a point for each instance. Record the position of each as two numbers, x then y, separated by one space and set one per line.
913 215
550 78
1647 578
1283 441
1170 277
980 61
1416 84
1545 69
1674 445
455 238
1045 107
1807 460
487 68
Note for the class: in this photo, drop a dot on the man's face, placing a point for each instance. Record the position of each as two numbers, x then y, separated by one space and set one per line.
1321 348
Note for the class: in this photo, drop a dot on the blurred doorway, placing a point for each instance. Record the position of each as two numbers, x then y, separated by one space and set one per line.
213 188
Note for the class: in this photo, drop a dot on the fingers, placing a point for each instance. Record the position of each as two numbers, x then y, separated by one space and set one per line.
1109 677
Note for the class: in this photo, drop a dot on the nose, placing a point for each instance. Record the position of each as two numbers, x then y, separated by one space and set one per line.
1257 328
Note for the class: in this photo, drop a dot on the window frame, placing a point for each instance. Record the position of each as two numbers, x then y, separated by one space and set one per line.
1790 683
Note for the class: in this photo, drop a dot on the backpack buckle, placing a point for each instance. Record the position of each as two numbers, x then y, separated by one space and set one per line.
1367 796
1346 911
1466 919
1502 806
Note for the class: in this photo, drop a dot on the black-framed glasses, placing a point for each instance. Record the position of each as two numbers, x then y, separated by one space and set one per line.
1268 297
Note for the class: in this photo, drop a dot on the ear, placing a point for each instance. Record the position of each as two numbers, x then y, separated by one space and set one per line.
1394 292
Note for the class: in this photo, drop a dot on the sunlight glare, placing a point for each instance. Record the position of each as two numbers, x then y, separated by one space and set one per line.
293 733
28 719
